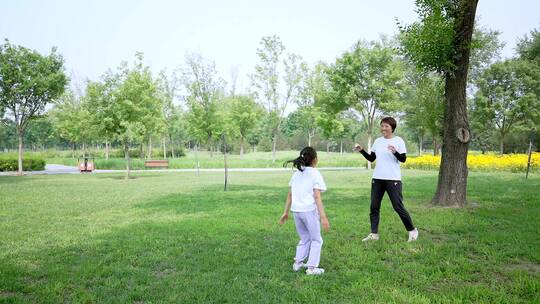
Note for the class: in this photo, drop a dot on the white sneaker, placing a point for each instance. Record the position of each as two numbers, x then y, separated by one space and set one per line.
314 271
371 237
413 235
298 266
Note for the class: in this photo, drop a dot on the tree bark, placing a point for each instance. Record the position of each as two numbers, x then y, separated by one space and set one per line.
501 144
529 158
149 147
197 158
225 162
241 147
20 132
128 160
452 183
172 147
421 144
164 148
274 140
106 149
369 149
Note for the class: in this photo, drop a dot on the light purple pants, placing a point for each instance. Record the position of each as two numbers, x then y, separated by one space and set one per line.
308 227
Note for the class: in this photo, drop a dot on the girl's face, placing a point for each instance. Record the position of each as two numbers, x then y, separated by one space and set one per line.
386 130
314 162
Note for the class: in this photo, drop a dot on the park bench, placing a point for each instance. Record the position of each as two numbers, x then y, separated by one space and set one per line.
156 164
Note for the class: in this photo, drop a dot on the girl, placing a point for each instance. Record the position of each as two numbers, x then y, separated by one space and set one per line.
389 150
304 200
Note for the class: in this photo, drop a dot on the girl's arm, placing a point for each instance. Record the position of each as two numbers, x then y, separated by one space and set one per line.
285 214
320 207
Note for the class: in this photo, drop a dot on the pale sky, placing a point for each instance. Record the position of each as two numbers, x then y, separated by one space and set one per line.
96 35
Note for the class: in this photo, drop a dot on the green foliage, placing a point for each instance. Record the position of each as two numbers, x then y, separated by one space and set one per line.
529 46
429 42
205 91
424 104
486 49
9 162
508 95
29 81
273 94
368 79
135 103
100 97
72 119
266 77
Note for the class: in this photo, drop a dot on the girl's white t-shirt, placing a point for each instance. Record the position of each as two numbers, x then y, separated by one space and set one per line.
387 166
302 184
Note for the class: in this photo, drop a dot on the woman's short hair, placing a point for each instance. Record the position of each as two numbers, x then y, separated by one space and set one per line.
390 121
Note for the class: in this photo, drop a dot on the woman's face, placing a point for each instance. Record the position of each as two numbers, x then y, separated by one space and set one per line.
386 129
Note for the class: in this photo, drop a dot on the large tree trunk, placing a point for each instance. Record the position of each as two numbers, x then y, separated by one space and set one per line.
128 160
452 183
20 132
106 149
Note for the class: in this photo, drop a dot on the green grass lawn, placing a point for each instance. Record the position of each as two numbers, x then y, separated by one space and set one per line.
178 238
215 160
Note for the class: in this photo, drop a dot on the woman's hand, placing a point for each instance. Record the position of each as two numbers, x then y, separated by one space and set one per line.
325 223
283 218
392 148
358 148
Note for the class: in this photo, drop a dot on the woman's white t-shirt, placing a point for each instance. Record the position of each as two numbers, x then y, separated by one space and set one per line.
387 166
302 184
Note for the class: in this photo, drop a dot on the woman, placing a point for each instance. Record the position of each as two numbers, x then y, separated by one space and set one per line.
389 150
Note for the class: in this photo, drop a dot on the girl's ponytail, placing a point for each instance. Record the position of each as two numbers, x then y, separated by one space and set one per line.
306 158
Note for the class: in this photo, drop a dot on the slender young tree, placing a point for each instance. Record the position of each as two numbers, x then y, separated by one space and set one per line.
28 82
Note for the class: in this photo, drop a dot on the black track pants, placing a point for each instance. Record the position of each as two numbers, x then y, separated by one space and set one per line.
393 188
